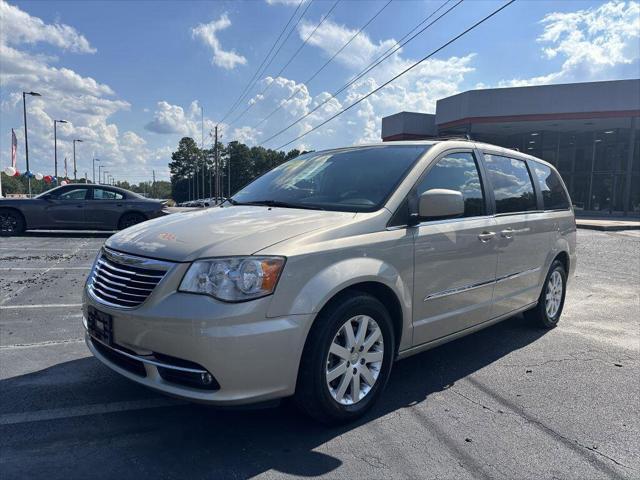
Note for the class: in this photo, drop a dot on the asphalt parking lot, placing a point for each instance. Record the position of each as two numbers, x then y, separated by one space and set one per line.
511 401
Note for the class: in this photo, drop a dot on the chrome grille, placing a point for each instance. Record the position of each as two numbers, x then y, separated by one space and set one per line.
124 281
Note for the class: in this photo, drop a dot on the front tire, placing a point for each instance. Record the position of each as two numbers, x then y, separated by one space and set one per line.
347 359
551 302
11 223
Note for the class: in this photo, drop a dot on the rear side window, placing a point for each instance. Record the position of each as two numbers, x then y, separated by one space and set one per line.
512 185
100 194
76 194
553 192
459 172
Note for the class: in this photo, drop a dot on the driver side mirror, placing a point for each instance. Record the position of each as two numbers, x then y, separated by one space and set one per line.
439 203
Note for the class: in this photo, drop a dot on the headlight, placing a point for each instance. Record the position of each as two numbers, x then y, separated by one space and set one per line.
233 279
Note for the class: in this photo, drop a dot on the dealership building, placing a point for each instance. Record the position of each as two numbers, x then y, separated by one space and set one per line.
589 131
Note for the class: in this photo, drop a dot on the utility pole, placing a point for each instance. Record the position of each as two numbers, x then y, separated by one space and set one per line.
94 169
26 142
215 154
55 146
202 148
75 170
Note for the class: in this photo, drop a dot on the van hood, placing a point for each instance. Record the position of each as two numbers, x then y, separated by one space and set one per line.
215 232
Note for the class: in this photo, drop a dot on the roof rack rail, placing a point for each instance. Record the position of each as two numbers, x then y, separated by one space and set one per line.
453 137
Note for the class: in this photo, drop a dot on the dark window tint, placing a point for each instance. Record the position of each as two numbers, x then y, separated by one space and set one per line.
553 193
75 194
512 186
459 172
100 194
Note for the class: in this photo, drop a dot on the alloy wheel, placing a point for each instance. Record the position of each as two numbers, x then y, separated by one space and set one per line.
354 360
553 297
8 222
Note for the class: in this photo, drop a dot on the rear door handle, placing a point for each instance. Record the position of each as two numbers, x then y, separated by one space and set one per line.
508 233
486 236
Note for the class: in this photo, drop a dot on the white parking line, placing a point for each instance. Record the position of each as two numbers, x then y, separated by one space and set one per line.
59 305
51 248
48 269
40 344
84 410
64 257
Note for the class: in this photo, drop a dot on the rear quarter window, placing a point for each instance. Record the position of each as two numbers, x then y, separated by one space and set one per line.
554 194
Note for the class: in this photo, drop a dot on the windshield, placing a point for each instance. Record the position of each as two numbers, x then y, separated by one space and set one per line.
352 180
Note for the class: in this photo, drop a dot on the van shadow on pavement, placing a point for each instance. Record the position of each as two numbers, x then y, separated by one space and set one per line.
196 441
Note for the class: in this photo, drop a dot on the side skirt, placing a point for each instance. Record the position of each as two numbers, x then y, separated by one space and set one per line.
439 341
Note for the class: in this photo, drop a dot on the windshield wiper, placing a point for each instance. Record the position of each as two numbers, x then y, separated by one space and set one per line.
277 203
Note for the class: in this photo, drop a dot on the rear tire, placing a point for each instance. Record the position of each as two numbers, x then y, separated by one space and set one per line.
363 357
551 302
129 220
11 222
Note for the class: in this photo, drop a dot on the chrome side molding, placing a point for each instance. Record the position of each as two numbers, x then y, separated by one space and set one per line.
473 286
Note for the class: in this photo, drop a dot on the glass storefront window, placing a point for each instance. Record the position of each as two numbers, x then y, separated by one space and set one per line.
607 193
592 158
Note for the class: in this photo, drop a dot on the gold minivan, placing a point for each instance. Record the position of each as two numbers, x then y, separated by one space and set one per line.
313 279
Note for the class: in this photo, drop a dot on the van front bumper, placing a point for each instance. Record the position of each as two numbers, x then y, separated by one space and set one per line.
180 336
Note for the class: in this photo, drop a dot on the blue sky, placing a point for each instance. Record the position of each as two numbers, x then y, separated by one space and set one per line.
127 74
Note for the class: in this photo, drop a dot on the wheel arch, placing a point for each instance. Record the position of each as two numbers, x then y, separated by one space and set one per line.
309 291
379 291
18 211
131 212
564 259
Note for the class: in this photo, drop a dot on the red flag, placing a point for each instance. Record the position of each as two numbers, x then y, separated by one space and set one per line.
14 148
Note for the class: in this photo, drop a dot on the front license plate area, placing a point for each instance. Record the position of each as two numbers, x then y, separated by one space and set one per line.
100 325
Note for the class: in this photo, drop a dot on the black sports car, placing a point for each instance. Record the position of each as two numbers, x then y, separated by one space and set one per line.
77 207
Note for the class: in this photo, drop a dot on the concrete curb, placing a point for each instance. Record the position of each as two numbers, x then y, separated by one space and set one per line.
607 228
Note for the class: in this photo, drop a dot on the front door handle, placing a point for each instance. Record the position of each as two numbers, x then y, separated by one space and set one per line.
486 236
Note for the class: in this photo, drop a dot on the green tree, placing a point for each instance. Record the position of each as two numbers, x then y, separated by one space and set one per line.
184 162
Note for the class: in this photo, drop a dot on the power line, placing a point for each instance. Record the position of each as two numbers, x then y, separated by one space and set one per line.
411 67
308 80
250 83
251 105
371 66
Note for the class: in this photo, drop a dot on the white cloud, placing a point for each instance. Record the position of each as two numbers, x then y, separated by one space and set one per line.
173 119
85 102
207 32
19 27
330 37
590 42
417 91
168 119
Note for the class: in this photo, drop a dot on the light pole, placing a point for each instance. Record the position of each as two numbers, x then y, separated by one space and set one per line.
75 171
55 146
104 177
94 169
593 165
99 174
26 142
